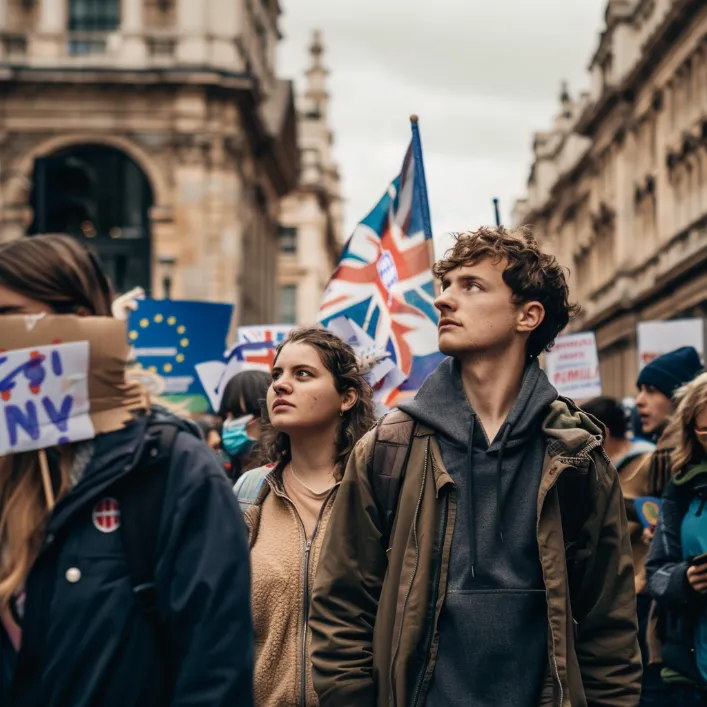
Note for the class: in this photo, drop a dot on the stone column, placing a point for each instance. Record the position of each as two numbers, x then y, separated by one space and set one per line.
134 50
223 28
191 28
51 29
4 19
3 15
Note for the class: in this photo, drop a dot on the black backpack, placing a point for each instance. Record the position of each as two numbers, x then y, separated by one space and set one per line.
140 497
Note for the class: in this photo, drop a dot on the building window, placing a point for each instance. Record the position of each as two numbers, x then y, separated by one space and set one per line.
94 15
288 240
288 304
88 20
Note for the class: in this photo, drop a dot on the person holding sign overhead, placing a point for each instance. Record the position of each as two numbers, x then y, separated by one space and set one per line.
114 586
677 562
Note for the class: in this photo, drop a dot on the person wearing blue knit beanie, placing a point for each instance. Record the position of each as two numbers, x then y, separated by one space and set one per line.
658 382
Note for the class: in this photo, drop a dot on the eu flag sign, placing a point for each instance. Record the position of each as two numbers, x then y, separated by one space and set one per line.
171 338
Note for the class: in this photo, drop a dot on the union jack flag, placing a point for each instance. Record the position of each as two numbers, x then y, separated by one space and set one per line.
275 333
384 280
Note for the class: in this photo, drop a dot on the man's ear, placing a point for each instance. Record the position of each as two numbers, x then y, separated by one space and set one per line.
530 316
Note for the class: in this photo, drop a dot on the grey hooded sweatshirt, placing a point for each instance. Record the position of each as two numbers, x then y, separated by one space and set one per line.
493 627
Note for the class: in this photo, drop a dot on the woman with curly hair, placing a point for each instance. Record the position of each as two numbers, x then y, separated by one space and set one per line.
677 561
318 406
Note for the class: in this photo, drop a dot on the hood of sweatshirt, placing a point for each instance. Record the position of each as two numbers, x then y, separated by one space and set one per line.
442 405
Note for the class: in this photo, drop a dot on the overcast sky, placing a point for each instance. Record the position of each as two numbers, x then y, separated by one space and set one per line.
482 75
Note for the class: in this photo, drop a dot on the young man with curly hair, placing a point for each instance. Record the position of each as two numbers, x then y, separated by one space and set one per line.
478 552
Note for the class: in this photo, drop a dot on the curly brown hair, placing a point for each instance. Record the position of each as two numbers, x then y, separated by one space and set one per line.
340 360
531 275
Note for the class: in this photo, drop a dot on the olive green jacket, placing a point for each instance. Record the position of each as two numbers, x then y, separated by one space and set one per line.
375 612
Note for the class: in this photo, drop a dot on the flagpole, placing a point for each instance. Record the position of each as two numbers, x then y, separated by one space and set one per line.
421 183
497 212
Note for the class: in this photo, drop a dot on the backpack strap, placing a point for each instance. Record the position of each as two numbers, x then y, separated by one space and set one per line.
391 451
140 499
249 486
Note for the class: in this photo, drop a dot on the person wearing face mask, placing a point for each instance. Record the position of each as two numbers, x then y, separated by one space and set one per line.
318 406
240 411
676 567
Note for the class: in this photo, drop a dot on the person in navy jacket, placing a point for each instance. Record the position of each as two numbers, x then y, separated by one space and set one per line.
73 633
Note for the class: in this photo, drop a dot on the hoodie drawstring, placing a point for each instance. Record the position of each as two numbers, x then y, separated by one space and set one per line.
499 488
506 433
499 472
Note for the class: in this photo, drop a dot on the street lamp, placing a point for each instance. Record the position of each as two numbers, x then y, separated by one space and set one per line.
167 263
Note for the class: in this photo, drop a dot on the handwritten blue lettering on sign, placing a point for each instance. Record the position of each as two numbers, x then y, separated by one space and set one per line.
44 397
27 420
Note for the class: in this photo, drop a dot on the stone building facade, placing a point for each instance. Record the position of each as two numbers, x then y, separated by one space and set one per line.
311 217
157 130
618 186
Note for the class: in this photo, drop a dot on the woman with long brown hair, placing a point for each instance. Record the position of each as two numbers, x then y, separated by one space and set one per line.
318 406
677 562
124 575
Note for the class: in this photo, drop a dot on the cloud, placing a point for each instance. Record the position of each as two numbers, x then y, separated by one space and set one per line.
482 76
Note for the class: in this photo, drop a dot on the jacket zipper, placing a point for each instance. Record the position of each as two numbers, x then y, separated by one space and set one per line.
305 619
414 571
435 595
552 643
305 603
584 452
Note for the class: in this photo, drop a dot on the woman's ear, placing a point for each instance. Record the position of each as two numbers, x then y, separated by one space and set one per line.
348 400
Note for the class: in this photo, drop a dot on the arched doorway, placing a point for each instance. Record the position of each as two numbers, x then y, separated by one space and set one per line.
101 196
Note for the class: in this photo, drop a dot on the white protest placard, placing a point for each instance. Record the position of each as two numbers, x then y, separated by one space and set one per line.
385 376
215 376
44 397
656 338
573 366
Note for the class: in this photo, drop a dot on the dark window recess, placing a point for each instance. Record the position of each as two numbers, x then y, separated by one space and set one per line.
288 304
94 15
102 197
288 240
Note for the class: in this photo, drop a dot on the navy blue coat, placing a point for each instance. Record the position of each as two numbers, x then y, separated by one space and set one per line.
86 643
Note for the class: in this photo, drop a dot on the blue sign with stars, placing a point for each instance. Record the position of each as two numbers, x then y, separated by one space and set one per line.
171 337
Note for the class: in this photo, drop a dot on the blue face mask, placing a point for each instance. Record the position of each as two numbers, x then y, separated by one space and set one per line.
234 437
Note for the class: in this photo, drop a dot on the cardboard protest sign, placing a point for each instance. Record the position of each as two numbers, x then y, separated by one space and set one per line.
171 338
112 400
573 366
44 397
660 337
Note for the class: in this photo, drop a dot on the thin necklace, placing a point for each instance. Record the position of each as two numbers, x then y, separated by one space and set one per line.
301 483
